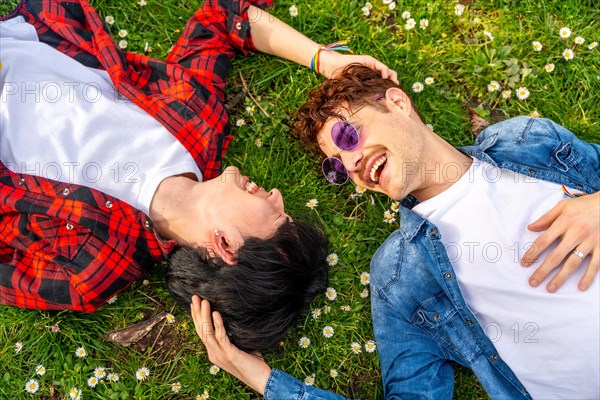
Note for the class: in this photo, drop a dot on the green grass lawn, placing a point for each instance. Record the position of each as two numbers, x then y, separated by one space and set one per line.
458 52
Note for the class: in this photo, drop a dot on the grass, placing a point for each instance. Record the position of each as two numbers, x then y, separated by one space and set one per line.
461 59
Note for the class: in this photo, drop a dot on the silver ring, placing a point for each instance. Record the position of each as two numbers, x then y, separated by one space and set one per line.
578 254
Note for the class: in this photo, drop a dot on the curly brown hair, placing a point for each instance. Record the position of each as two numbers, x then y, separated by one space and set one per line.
356 86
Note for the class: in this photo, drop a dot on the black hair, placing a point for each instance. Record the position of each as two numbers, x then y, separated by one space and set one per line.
262 295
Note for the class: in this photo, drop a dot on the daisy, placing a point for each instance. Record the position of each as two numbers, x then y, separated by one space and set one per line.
145 282
365 278
493 86
250 110
203 396
142 3
214 369
333 373
345 308
326 309
80 352
522 93
370 346
122 45
123 33
328 331
392 6
489 35
568 54
395 205
386 2
92 381
32 386
405 15
18 347
75 394
109 19
417 87
549 67
142 374
40 370
175 387
369 5
564 32
99 372
331 293
366 12
332 259
364 294
258 142
316 313
579 40
424 23
310 380
240 122
537 46
356 348
113 377
294 11
170 318
506 94
388 217
360 189
593 45
410 23
55 328
304 342
459 9
312 203
114 298
429 80
535 114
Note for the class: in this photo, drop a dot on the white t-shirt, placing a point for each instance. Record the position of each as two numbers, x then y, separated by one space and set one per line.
64 121
550 341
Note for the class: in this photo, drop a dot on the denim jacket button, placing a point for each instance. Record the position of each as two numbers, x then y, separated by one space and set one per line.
469 322
579 186
495 357
448 275
433 233
531 171
436 317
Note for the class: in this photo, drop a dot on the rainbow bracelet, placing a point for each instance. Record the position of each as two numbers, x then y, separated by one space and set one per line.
336 46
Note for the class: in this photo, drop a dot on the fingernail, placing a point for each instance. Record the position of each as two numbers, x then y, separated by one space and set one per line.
533 282
583 287
552 288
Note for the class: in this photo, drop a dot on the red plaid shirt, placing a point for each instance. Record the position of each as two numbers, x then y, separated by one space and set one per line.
64 246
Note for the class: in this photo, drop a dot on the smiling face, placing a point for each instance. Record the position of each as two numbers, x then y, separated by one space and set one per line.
389 152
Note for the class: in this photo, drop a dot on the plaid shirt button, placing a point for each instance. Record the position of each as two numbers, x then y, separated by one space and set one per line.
148 224
69 226
108 204
21 181
66 191
238 26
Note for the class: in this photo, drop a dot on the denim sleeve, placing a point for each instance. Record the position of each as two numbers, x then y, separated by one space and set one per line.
412 364
282 386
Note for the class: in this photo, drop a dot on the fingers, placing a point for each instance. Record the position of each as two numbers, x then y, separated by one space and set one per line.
591 272
553 260
538 246
547 219
572 262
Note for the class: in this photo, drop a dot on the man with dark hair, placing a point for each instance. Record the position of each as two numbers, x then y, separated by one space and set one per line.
448 286
109 160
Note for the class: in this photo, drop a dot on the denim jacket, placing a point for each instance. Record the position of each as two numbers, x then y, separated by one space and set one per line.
420 318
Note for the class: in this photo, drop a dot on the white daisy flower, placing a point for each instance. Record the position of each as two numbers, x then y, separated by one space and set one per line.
142 3
366 12
459 9
493 86
75 394
388 217
360 189
568 54
332 259
326 309
356 348
364 294
395 207
522 93
331 293
32 386
392 6
537 46
170 318
113 377
92 381
142 374
175 387
564 32
489 35
417 87
145 282
369 5
310 380
203 396
424 23
410 23
109 19
250 110
100 372
549 67
18 347
240 122
40 370
312 203
593 45
405 15
214 369
333 373
365 278
304 342
506 94
429 80
386 2
80 352
122 45
345 308
258 142
122 33
370 346
316 313
294 11
328 331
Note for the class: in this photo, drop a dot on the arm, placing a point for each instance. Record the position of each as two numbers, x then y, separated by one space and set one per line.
250 369
576 224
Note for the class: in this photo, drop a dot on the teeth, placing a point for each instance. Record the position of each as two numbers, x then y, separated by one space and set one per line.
251 187
378 164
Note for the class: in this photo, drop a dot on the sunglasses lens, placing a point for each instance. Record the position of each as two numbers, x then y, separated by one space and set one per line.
334 171
344 135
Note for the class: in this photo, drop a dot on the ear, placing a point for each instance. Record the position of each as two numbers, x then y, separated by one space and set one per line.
225 248
396 99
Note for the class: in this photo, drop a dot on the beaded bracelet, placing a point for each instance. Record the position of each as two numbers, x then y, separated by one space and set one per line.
336 46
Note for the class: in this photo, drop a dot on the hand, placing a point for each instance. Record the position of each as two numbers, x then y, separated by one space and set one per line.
250 369
332 63
577 223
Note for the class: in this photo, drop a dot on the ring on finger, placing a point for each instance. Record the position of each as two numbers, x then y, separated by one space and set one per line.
578 254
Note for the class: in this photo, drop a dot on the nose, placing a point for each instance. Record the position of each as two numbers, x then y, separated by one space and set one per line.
351 159
276 199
